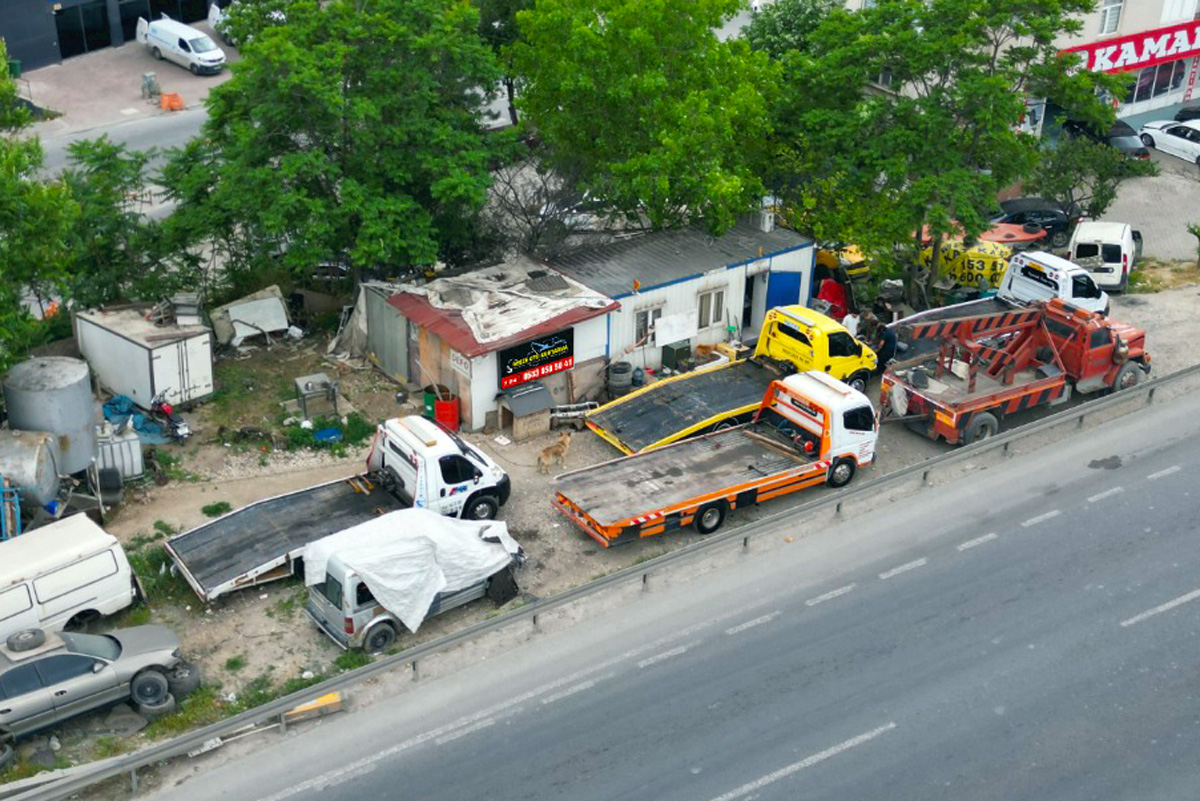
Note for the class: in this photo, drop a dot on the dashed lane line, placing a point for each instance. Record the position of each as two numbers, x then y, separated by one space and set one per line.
1158 610
1108 493
1033 521
820 599
749 624
454 735
1162 473
904 568
664 656
963 546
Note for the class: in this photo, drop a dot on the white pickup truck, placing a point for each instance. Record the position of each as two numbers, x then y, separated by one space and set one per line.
413 463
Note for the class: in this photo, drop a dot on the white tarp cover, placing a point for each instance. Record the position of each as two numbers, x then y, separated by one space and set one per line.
407 557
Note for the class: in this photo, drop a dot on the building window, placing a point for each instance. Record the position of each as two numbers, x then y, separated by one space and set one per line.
1155 81
1110 16
643 322
712 308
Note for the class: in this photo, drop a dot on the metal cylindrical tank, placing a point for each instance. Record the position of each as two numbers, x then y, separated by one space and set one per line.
27 461
54 394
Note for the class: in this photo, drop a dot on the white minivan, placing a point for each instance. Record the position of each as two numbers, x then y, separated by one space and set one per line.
182 44
1037 275
1107 250
62 575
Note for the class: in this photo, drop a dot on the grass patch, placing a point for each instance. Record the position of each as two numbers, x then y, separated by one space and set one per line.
23 770
1152 275
153 567
164 529
235 663
216 509
161 530
172 467
352 659
260 690
285 608
355 431
109 746
202 708
241 391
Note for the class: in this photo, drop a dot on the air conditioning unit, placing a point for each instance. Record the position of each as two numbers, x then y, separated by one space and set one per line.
766 221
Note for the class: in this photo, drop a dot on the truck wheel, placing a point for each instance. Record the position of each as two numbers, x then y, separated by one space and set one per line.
183 679
149 688
1127 377
841 473
710 517
858 381
481 507
1059 239
25 640
381 638
982 426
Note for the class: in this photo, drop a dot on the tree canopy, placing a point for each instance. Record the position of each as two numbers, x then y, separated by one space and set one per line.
351 132
1078 171
640 98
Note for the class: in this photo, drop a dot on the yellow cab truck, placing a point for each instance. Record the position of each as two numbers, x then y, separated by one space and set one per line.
809 429
793 338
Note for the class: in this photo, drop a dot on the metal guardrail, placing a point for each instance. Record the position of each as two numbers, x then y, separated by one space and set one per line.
843 504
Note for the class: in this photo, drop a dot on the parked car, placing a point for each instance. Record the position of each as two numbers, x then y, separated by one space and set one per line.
1180 139
1107 250
183 44
1187 113
1121 137
48 678
1056 221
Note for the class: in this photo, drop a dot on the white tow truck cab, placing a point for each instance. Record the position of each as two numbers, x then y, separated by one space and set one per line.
182 44
429 467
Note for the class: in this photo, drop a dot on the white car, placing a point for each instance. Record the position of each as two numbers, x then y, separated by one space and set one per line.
1180 139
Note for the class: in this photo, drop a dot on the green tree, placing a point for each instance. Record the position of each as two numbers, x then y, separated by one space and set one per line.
349 131
499 28
906 115
110 237
785 26
1077 171
35 224
658 116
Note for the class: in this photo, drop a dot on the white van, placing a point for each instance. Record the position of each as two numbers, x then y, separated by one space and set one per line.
182 44
1107 250
62 575
1041 276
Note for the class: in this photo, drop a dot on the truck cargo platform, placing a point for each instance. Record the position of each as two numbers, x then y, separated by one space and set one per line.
654 413
259 542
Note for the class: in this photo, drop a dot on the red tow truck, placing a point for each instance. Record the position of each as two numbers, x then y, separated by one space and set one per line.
974 370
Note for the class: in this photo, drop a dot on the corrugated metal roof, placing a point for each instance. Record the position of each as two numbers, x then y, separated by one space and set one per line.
664 257
450 327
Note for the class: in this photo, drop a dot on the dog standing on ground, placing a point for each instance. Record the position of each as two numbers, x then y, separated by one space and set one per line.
555 453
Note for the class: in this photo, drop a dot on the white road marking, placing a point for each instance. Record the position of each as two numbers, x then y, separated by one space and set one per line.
665 655
1167 472
749 624
1183 599
1108 493
578 688
1033 521
830 595
904 568
962 546
454 735
807 762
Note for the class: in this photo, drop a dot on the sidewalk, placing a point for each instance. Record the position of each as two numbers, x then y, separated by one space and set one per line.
105 87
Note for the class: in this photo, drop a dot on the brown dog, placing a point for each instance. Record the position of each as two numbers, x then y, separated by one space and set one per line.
555 453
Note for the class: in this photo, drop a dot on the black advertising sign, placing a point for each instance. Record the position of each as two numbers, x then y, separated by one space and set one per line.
537 358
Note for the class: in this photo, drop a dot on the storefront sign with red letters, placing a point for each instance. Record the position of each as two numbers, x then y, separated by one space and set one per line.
1140 50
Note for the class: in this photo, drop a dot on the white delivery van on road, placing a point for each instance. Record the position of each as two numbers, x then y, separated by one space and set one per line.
181 44
62 575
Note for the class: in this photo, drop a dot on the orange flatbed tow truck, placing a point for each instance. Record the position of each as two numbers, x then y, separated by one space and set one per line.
809 429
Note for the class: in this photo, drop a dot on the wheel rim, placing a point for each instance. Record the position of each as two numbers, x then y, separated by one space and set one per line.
858 384
1059 239
982 433
711 518
842 473
480 511
1129 379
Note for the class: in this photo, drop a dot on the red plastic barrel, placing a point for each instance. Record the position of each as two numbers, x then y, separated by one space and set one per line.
446 412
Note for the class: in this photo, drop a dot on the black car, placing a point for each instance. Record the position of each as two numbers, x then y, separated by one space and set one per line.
1049 216
1187 113
1121 137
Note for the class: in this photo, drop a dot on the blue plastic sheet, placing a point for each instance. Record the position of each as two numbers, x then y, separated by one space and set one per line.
119 409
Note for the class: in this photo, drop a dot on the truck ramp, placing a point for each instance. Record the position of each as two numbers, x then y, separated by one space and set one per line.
259 542
670 406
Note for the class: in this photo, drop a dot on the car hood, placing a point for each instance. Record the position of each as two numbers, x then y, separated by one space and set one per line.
1158 125
146 639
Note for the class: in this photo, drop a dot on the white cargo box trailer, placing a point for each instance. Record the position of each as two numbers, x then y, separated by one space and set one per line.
133 356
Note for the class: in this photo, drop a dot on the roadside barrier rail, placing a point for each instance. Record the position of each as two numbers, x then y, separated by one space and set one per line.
624 586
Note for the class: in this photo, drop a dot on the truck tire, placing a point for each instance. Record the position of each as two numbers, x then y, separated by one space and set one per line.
502 587
183 679
858 381
153 712
983 425
25 640
841 473
710 517
1059 239
481 507
1127 377
380 638
149 688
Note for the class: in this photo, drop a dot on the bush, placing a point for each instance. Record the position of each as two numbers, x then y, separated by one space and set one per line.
216 509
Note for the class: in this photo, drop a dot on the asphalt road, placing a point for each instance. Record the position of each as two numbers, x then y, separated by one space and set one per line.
1027 632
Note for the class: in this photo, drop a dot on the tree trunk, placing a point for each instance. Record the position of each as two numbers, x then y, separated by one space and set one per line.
510 88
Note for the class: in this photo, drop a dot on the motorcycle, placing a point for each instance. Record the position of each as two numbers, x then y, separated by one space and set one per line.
172 422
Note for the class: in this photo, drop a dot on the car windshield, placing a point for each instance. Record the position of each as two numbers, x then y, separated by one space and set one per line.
1126 143
202 44
97 645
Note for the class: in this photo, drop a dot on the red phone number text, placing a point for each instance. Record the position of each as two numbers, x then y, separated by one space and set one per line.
529 375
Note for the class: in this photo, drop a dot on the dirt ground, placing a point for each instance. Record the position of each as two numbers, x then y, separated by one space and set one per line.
262 632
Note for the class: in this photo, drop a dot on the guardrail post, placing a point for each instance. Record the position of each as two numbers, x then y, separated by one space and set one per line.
1150 395
416 671
133 787
283 722
645 582
534 621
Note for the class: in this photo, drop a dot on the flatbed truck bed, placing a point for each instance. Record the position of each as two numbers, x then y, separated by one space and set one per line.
261 542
